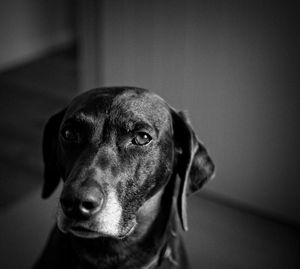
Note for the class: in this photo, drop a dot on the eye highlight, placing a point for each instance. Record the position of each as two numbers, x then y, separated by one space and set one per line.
71 135
141 139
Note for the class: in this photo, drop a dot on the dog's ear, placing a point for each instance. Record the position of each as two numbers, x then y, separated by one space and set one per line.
194 166
50 143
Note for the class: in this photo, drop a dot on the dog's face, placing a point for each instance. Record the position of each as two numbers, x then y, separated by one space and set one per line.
114 149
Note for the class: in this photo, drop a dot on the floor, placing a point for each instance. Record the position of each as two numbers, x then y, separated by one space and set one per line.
219 236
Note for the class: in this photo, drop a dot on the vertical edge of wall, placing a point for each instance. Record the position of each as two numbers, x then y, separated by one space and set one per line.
89 27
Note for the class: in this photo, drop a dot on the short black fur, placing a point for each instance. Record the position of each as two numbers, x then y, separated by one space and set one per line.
107 177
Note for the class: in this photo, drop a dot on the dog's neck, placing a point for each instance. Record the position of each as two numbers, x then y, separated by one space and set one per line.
147 244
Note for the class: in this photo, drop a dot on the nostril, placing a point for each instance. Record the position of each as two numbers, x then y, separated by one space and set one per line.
90 206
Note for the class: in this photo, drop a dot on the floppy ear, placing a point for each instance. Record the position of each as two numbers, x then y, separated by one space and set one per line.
50 142
194 166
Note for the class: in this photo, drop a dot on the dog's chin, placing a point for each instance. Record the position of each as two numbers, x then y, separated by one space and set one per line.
83 232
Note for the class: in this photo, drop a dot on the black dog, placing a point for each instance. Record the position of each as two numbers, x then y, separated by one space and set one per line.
128 161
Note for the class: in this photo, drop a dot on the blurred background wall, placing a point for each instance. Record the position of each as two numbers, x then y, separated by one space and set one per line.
31 28
232 64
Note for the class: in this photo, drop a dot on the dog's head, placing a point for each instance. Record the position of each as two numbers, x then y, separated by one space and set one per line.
115 150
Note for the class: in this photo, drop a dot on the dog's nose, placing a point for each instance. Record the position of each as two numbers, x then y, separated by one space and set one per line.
81 204
89 205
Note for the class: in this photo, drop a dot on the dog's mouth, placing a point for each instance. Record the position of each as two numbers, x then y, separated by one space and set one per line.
83 232
87 233
129 230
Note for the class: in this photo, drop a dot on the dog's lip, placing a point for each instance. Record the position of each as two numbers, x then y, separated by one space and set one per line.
81 231
129 231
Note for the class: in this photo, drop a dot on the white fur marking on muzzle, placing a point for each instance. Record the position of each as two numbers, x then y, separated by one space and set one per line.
110 216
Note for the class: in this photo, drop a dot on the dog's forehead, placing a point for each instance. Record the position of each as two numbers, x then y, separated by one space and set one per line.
121 104
144 107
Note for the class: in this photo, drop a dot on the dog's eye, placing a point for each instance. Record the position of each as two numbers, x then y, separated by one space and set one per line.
71 135
141 139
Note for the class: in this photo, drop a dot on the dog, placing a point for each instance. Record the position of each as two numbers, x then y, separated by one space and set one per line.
128 161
